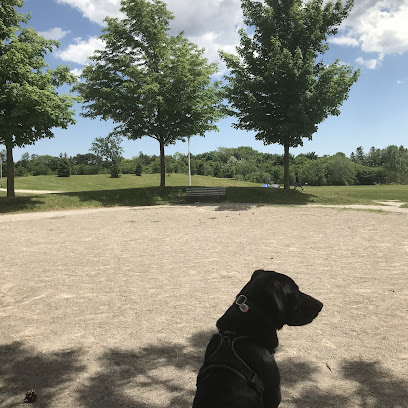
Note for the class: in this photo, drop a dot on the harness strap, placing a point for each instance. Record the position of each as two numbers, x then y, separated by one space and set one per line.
225 357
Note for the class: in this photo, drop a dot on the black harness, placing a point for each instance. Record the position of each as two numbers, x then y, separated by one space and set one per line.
225 357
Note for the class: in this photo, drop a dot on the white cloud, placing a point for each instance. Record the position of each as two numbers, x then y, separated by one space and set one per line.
95 10
372 63
378 26
346 41
211 24
383 27
81 51
55 33
77 72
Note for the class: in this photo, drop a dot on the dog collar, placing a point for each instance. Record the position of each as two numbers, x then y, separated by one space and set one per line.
240 301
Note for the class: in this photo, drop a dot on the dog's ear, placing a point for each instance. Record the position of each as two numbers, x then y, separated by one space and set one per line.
280 303
257 273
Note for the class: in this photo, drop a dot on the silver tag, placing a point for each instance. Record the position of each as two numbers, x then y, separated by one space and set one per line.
243 308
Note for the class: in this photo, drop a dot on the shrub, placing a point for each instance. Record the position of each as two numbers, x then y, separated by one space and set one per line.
115 169
138 169
369 175
64 167
20 172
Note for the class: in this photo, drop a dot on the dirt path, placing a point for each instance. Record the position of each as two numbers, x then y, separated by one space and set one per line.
34 191
114 307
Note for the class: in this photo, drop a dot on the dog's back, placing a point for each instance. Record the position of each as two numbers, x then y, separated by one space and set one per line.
223 383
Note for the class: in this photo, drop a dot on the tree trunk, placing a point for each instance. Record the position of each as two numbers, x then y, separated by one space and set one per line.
286 178
162 165
10 172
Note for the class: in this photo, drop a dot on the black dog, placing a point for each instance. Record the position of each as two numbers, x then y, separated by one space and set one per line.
239 368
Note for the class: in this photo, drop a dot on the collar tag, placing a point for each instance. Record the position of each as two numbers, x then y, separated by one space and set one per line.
243 308
241 302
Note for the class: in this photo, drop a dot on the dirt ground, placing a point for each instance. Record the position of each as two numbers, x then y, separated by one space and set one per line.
114 307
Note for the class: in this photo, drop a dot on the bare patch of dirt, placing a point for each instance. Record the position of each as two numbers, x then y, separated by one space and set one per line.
114 307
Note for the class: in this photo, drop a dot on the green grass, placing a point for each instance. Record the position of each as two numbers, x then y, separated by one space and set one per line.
129 190
105 182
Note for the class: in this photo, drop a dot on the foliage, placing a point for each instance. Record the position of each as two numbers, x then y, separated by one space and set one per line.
391 163
30 104
341 171
276 85
150 83
244 164
109 148
138 169
64 167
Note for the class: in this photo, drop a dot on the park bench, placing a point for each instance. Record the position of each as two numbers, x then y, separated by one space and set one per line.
205 192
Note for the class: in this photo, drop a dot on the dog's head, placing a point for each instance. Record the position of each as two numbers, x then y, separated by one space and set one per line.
270 299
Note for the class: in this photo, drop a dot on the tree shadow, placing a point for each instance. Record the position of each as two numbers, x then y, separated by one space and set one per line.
150 377
164 375
235 207
128 197
376 387
237 198
8 205
23 368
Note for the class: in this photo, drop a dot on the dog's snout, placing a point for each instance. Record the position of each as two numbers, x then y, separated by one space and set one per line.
312 304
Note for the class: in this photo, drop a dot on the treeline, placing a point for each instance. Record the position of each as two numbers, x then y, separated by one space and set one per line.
378 166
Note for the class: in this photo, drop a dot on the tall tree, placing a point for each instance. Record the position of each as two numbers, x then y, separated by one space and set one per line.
277 87
148 82
30 105
109 148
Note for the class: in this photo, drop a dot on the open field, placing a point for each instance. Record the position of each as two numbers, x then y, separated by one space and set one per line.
102 191
125 181
114 307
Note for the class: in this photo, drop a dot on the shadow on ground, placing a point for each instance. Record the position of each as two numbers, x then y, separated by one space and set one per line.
147 196
23 368
26 203
163 375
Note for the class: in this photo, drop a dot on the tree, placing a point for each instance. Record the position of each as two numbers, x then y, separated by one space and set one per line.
30 105
109 148
148 82
138 169
342 170
276 85
64 167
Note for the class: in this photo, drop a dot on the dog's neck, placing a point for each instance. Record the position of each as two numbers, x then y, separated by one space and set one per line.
249 324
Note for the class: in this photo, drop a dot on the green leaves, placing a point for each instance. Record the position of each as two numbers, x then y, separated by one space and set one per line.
276 85
10 19
30 105
148 82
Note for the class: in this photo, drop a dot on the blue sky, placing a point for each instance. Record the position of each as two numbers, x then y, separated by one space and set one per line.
374 38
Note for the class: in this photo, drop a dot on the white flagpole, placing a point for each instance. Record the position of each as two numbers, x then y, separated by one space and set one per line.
189 165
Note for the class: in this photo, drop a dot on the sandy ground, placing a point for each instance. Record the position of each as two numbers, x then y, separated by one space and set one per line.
34 191
114 307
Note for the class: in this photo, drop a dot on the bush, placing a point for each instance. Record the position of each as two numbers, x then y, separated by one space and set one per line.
20 172
86 169
115 169
369 175
341 170
64 167
40 169
138 169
